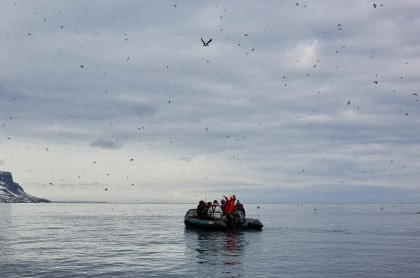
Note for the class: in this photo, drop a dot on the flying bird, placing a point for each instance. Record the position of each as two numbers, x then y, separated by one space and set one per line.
206 43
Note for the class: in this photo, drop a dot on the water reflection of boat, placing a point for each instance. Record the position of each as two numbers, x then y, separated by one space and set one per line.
238 222
221 250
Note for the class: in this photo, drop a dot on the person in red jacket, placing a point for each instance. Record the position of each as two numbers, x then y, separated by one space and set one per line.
230 204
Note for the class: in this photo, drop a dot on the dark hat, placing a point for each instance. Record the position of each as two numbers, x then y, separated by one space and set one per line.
215 202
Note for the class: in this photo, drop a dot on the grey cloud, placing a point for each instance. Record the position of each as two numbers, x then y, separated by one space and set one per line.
146 80
185 159
106 144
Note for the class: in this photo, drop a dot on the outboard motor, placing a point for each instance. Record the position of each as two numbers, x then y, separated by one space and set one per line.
238 217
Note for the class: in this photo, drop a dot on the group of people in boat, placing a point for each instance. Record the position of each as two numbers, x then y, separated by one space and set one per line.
224 210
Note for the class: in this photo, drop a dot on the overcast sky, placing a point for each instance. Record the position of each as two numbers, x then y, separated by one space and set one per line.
313 101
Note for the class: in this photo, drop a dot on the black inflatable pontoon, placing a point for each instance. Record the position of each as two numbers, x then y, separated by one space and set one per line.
237 223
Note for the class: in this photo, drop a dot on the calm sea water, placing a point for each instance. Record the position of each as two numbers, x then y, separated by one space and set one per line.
150 240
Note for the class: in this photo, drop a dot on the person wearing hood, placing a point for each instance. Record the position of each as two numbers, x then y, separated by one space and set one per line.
239 207
201 209
215 212
223 205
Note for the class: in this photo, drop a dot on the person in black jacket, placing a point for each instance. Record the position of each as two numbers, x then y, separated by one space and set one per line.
201 210
239 207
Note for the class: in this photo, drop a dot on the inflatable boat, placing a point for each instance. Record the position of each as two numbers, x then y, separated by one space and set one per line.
236 222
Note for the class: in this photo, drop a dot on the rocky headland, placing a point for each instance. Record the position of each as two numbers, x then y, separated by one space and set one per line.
11 192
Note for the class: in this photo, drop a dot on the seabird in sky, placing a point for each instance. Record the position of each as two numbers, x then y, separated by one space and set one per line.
206 43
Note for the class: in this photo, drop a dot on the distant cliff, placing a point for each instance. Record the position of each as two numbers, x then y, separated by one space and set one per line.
11 192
